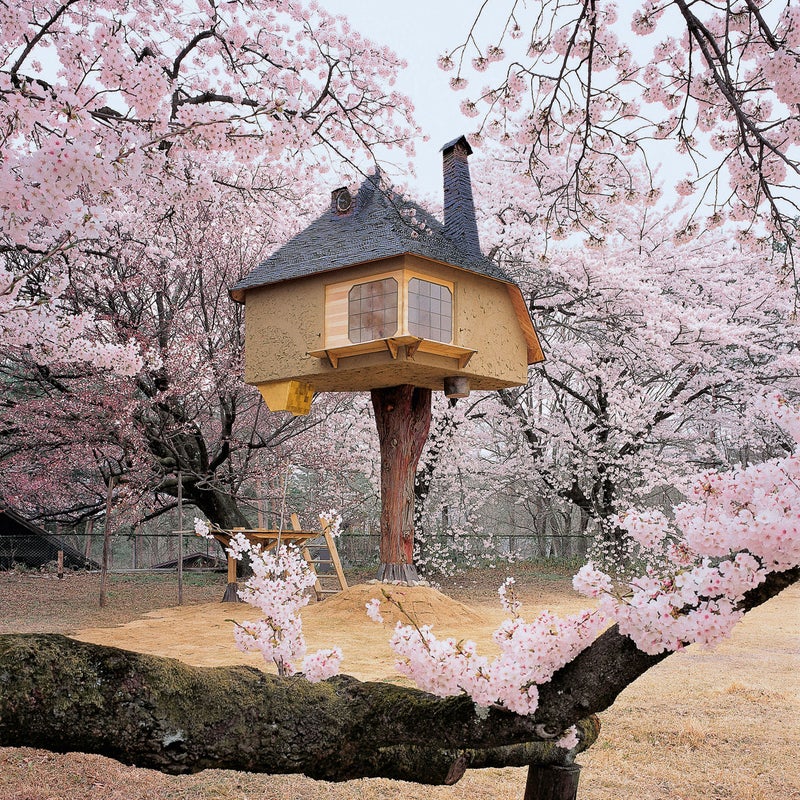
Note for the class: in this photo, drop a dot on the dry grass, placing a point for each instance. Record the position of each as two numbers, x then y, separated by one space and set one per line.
718 725
41 603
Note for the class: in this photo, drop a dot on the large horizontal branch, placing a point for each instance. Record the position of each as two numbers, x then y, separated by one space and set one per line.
64 695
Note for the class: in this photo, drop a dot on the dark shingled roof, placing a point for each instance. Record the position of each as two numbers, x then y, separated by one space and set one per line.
380 224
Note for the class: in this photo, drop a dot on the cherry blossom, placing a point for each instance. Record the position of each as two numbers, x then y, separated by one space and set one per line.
708 77
279 588
155 152
735 528
122 111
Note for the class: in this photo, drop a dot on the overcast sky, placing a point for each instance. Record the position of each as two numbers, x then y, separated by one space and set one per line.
419 31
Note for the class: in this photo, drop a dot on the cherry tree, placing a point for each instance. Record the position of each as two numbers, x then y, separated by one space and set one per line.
655 339
68 428
716 80
114 109
655 355
140 138
640 282
737 528
655 346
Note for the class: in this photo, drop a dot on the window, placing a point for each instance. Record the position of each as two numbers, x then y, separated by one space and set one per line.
372 310
430 310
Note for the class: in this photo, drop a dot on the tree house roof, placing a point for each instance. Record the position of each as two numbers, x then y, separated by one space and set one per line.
379 223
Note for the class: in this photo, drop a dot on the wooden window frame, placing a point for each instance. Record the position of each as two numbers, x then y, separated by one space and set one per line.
337 344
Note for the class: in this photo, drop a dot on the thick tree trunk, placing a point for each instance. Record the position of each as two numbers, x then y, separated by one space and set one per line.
222 509
403 418
64 695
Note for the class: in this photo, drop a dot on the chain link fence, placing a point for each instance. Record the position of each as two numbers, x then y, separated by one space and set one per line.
140 550
361 550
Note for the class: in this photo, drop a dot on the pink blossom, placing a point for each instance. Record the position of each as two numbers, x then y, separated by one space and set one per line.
278 588
569 739
468 108
591 582
495 54
331 521
322 664
374 610
646 527
508 599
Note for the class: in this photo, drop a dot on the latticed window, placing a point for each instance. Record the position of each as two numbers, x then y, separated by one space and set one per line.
372 310
430 310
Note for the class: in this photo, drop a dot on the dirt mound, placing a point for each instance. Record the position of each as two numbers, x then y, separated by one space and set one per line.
203 635
424 605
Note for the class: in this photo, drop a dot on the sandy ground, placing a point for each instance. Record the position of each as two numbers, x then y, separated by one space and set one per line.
202 635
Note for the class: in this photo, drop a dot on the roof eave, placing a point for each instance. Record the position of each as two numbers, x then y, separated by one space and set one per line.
534 347
238 294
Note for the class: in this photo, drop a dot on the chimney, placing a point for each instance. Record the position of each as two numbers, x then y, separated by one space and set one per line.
459 210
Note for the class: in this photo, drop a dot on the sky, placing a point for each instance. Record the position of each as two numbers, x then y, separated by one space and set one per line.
419 31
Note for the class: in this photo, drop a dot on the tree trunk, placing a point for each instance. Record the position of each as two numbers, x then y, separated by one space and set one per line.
403 418
552 782
221 508
106 542
64 695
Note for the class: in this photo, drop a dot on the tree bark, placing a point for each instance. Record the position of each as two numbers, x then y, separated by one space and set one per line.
64 695
221 508
591 682
552 782
403 418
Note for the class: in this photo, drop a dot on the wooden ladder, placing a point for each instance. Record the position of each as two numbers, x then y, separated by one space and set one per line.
322 558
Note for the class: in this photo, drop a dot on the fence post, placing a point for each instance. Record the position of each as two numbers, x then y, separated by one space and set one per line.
180 538
60 553
135 536
87 547
260 502
106 542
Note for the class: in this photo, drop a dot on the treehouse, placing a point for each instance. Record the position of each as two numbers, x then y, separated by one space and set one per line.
377 295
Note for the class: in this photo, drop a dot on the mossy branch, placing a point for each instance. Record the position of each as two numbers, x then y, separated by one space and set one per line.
64 695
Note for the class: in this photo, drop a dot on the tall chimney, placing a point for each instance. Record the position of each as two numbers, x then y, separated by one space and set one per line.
459 208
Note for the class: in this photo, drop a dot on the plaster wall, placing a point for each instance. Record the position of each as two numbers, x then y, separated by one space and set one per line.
283 322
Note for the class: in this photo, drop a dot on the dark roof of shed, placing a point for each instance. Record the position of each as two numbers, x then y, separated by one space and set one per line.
34 545
381 224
